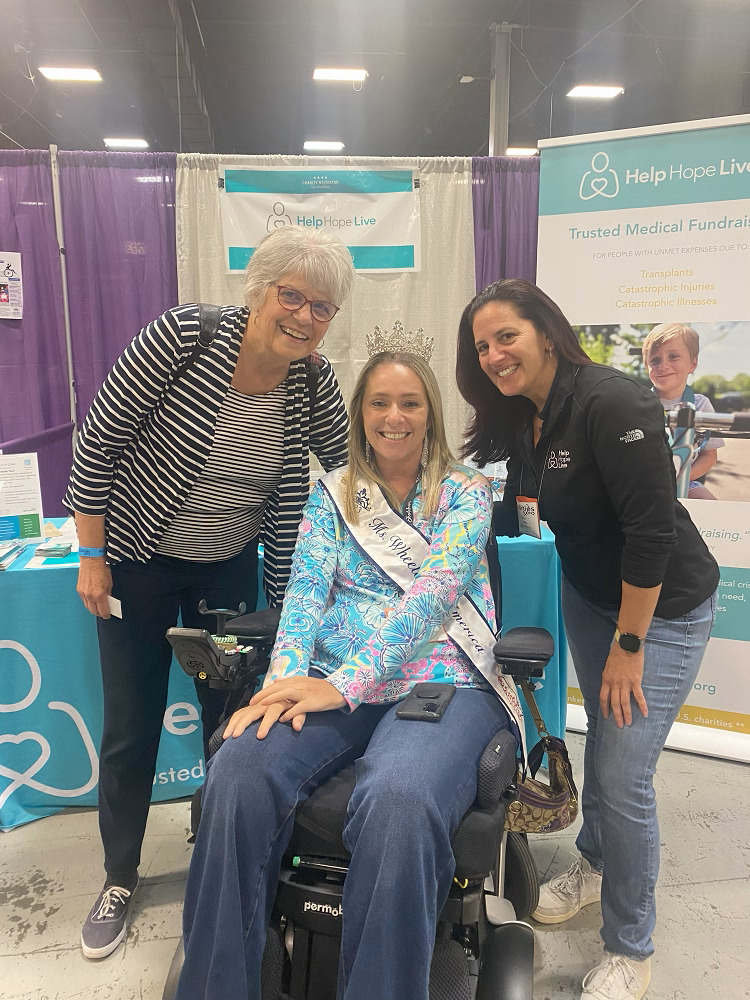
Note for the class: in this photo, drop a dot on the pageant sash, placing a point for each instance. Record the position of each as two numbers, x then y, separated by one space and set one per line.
399 549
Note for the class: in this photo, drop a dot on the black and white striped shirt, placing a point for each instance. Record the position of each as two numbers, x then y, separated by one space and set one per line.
224 509
147 439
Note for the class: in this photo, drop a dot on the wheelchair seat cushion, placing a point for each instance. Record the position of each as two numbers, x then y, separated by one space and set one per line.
320 822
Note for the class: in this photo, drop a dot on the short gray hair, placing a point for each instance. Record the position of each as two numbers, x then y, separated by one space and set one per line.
321 259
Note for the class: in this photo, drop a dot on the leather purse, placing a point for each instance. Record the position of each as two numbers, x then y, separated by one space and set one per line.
543 807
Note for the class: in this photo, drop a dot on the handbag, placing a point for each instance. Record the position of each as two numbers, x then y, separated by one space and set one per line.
543 807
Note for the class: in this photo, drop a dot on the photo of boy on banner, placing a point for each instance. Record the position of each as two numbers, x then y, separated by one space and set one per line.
664 357
670 355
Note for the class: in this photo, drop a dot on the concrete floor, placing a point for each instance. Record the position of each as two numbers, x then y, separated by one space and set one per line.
50 873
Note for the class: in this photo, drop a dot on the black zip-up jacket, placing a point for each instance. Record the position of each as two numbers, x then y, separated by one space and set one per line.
605 479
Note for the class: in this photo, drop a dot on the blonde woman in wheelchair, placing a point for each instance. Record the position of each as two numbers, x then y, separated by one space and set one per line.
390 555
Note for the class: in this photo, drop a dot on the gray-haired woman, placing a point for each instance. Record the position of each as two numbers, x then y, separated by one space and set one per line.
188 458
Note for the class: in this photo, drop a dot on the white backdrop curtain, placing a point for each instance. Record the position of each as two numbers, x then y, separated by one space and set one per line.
432 298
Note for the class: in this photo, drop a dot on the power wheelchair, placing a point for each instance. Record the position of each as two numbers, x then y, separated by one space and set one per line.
484 950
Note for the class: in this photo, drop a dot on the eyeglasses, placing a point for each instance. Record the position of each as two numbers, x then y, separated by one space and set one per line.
293 300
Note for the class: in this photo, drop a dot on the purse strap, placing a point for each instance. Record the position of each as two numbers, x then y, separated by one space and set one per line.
528 693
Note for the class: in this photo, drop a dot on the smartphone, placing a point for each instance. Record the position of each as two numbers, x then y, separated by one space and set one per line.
426 702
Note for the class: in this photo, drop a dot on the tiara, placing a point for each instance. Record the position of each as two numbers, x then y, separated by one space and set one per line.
403 343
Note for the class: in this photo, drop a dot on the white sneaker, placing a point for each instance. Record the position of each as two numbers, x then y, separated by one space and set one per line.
563 896
617 978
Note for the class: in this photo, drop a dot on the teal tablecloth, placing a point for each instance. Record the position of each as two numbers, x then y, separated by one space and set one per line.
50 688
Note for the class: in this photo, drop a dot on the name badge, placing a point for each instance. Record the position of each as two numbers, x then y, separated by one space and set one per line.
528 516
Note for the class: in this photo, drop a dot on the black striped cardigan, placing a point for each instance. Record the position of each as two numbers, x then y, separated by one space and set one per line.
146 439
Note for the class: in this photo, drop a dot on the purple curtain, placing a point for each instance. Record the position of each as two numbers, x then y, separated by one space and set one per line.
120 251
33 367
505 196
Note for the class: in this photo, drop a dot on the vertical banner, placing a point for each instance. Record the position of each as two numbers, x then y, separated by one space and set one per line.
646 227
375 212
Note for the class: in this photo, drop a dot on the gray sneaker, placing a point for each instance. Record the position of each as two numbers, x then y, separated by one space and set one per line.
107 921
563 896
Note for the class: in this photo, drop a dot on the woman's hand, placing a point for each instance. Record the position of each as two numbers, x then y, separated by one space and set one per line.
244 717
95 585
287 699
621 678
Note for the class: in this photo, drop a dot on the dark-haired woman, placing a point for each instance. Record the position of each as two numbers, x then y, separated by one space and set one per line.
587 453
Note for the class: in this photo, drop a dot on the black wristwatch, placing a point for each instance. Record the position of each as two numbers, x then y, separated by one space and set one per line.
628 641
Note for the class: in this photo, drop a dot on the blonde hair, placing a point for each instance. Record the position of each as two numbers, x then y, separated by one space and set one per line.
670 331
439 456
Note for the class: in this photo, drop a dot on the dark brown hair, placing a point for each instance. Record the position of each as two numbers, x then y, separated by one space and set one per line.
499 421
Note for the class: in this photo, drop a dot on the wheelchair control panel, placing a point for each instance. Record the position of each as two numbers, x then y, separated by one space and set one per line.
219 659
216 659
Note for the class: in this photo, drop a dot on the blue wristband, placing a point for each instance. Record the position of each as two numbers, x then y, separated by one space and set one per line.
89 553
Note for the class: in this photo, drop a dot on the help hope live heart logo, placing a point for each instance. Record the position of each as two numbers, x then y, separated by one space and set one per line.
26 778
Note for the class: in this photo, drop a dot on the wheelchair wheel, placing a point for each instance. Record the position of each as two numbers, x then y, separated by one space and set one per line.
272 966
521 876
173 976
449 972
507 970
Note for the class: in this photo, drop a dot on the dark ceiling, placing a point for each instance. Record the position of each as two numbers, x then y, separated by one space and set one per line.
235 76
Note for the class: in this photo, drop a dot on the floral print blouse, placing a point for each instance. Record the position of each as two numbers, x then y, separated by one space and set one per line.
372 640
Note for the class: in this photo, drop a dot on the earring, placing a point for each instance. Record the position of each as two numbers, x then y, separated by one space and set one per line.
425 455
551 351
368 453
322 343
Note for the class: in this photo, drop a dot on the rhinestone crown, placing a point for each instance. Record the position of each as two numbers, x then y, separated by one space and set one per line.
396 340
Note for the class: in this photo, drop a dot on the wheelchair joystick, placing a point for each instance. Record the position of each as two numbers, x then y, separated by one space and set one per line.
221 615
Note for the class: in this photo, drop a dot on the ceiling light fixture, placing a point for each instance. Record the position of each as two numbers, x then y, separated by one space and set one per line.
323 146
126 143
349 75
70 73
521 151
600 93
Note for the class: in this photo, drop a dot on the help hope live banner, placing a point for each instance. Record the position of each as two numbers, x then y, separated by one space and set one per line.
374 212
647 226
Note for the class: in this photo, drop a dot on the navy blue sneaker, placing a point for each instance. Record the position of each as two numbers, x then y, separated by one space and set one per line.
107 921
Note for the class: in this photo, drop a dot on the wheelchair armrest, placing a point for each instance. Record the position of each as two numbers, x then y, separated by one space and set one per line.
524 652
260 626
217 739
497 769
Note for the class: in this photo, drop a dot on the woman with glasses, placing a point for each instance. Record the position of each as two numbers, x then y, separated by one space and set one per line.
194 450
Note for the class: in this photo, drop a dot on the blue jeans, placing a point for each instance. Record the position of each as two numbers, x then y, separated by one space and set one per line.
620 832
415 781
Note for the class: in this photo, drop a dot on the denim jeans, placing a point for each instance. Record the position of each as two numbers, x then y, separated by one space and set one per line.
415 781
620 832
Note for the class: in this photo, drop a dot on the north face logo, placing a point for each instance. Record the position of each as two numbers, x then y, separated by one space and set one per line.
635 435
